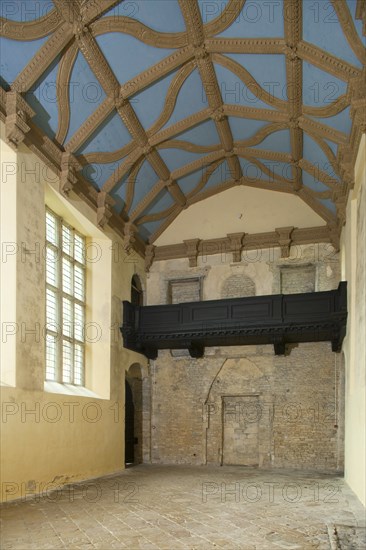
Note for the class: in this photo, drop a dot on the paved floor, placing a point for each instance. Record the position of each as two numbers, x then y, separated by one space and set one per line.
172 507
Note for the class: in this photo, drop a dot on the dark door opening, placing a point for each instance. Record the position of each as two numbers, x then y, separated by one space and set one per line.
129 425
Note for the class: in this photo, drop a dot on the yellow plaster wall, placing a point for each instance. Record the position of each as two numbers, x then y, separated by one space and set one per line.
71 434
353 245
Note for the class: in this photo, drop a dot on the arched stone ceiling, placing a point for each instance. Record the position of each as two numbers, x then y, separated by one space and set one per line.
146 107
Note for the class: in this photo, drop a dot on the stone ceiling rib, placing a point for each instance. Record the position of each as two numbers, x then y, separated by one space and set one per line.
92 10
157 71
147 199
43 59
261 134
122 170
180 126
155 217
262 153
319 174
257 114
326 150
171 97
91 124
326 62
245 45
175 213
188 146
205 177
139 31
197 164
293 35
349 29
131 182
107 156
332 109
322 130
76 24
106 77
225 19
31 30
274 177
63 92
361 14
307 197
195 29
249 81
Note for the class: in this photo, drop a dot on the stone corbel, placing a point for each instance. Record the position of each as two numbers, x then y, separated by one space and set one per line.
334 235
358 101
104 211
344 158
129 232
236 245
69 167
340 200
149 256
192 251
18 113
284 240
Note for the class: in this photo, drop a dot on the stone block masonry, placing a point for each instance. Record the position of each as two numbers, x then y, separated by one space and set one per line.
243 405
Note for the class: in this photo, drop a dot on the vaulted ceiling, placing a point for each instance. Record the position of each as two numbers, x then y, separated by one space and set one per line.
146 107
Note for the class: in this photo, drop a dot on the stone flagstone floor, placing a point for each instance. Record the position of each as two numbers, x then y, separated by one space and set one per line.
191 507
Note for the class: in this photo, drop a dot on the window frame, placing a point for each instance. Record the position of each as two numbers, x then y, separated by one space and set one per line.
57 332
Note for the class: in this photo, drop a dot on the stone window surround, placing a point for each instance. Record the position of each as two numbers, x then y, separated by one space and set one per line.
181 275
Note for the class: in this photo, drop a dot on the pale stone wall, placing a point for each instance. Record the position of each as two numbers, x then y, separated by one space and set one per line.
353 244
243 404
52 434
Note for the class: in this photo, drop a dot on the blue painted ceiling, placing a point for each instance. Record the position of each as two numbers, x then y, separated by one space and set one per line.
173 107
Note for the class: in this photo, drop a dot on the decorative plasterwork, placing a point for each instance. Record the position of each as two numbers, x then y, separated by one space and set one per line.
73 27
68 172
104 211
192 251
129 237
282 237
149 256
284 240
18 113
235 245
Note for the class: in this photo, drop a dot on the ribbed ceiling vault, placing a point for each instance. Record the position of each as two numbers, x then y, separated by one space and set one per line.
148 107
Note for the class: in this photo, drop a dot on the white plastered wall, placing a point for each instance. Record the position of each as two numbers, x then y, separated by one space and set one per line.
51 434
353 244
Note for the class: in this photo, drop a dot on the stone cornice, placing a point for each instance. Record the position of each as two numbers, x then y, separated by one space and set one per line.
274 239
74 26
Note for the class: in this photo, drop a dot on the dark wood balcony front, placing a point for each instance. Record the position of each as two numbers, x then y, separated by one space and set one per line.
275 319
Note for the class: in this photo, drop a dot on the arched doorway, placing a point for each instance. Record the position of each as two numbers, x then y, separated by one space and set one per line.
137 297
137 419
129 425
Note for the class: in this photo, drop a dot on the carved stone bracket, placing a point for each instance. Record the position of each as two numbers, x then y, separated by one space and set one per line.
149 256
344 158
17 114
69 167
129 236
284 240
340 200
236 245
104 211
358 101
334 235
192 251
